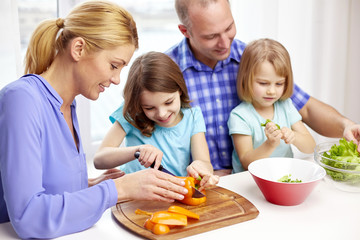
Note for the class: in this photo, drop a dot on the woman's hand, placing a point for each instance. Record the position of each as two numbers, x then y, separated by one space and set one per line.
108 174
149 154
150 184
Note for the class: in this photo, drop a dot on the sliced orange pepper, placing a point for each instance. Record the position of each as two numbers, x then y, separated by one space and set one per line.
169 218
142 212
181 210
149 224
160 229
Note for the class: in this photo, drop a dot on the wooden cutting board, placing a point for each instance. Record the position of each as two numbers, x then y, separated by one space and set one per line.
222 208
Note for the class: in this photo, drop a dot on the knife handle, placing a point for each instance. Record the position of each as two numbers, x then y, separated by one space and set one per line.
137 155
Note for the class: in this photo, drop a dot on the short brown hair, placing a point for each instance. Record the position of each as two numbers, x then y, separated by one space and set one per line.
154 72
182 9
254 54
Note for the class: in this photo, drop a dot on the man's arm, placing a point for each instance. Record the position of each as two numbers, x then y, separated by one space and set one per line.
324 119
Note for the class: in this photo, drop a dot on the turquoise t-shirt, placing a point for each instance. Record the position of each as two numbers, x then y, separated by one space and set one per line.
245 120
173 141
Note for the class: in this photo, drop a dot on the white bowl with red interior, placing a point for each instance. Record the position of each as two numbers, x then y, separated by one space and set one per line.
268 171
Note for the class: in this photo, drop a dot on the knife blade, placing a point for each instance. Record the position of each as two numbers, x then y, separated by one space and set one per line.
196 193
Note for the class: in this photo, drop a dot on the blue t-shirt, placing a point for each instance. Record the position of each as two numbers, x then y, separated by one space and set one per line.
44 184
244 119
174 142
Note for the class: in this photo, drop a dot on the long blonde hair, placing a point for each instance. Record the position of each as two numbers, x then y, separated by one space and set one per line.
256 53
103 25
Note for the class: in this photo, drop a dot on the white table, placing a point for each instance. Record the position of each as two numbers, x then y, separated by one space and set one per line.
327 213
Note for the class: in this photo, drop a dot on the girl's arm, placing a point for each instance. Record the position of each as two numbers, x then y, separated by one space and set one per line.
245 150
110 155
201 165
302 139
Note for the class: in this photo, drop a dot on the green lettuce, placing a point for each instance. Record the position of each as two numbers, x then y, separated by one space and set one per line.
347 157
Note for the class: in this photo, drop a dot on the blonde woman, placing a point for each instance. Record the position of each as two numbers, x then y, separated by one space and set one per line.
44 188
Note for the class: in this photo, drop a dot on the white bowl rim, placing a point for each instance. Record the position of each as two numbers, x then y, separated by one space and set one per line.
319 168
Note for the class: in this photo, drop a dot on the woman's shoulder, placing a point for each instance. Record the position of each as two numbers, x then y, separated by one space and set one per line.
25 88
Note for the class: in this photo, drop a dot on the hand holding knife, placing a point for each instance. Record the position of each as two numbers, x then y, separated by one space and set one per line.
196 194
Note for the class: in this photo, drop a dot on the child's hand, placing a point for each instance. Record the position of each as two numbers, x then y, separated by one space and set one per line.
149 154
273 134
287 135
208 181
200 168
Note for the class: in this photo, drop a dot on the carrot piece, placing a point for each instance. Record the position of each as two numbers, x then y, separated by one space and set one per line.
169 218
160 229
184 211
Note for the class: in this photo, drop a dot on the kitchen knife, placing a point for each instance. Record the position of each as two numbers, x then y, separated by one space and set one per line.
196 194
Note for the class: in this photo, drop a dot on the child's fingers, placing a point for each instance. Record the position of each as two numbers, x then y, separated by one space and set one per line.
192 171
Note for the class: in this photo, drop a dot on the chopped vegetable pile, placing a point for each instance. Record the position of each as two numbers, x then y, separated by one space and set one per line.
347 157
287 179
162 221
267 121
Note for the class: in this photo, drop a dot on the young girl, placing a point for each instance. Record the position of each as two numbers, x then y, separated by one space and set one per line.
156 120
264 84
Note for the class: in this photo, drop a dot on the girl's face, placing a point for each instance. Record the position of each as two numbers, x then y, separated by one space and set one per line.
99 70
268 87
161 107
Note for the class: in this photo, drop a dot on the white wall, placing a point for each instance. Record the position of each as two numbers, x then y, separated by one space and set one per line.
10 64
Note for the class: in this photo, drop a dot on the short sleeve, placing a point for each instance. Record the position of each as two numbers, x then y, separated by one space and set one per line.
199 123
237 124
299 97
118 116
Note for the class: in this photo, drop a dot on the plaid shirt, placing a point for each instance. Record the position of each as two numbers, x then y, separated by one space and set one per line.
214 90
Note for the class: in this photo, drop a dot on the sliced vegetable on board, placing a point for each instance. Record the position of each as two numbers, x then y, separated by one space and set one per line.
162 221
181 210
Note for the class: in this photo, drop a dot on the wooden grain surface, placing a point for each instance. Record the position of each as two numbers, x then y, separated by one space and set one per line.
222 208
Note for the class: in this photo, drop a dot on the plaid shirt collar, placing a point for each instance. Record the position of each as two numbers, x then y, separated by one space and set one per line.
188 59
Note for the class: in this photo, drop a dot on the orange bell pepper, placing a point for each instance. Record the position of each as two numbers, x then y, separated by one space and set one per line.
156 228
189 182
168 218
149 224
180 210
160 229
188 199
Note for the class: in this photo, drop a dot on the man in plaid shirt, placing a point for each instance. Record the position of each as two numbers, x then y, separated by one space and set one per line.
209 58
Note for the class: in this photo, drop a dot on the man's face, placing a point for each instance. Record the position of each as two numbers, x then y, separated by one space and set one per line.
211 32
